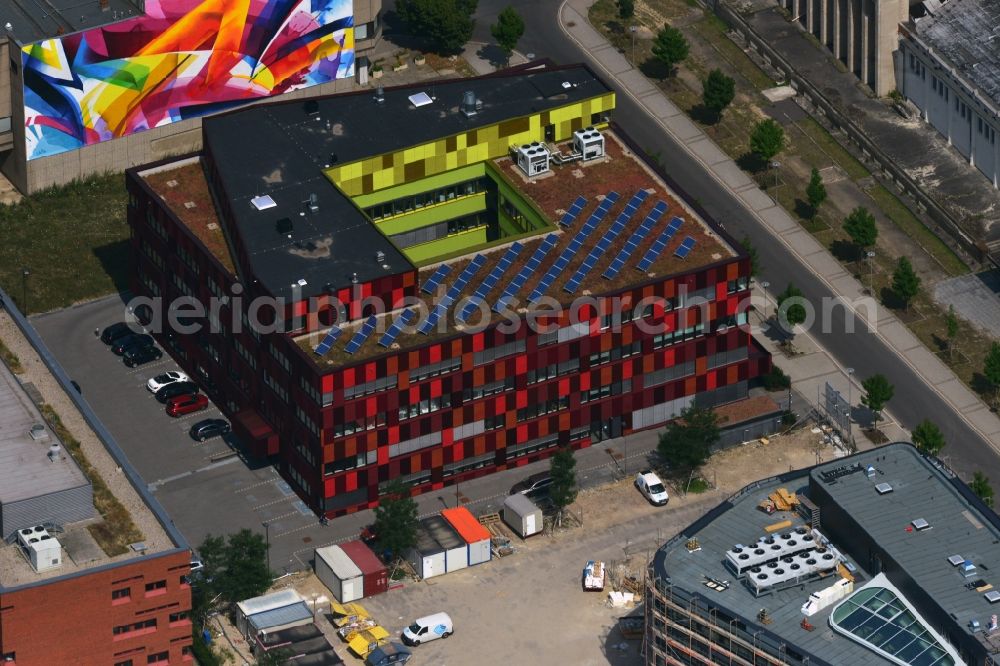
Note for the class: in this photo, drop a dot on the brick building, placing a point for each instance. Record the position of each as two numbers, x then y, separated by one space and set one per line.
371 215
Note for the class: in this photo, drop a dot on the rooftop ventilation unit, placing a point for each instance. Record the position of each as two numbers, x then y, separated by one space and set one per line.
313 203
533 158
379 94
588 142
380 257
955 560
263 202
420 99
37 432
883 488
54 453
771 548
470 105
992 596
42 549
920 525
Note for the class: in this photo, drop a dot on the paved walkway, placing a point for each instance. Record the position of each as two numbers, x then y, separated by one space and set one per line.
815 366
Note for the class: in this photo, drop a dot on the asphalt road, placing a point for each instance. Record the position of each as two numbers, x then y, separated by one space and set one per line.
866 353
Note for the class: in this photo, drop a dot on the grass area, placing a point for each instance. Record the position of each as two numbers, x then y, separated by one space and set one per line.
713 30
818 135
72 239
117 530
698 485
10 359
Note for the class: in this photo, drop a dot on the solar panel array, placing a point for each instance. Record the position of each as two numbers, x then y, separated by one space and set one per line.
603 245
359 338
569 217
397 326
653 253
574 246
453 292
526 272
331 337
490 281
685 248
434 281
632 244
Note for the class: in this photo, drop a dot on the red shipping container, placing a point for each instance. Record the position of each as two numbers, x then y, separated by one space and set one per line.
376 578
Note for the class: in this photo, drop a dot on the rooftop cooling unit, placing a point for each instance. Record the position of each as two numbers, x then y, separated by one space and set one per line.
533 158
42 549
588 142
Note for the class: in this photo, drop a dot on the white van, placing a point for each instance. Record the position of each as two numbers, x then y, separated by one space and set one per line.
428 628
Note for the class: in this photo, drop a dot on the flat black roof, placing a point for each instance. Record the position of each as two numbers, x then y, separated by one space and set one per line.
281 149
32 21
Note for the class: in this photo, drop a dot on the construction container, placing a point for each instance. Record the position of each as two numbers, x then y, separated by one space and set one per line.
476 537
375 574
456 550
427 556
522 516
272 612
339 573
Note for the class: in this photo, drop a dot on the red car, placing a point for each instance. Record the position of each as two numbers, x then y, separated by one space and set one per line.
186 404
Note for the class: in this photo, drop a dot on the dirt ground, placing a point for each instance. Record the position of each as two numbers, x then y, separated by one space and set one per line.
528 608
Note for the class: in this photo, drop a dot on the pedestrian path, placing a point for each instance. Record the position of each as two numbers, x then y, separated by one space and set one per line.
573 21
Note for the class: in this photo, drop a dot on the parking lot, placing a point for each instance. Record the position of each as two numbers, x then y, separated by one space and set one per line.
208 488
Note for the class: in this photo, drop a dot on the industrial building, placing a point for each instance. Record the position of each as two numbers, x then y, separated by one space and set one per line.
63 599
862 34
97 87
950 70
407 233
885 558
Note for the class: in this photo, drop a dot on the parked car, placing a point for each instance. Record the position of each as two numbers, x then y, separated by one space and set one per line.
134 356
429 628
536 484
121 345
651 487
392 654
169 377
203 430
114 332
186 404
175 389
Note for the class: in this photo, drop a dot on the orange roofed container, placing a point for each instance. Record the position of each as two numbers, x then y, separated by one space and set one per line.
472 532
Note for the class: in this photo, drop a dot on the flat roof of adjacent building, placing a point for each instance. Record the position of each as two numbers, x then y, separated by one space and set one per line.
314 237
965 32
920 489
32 21
25 468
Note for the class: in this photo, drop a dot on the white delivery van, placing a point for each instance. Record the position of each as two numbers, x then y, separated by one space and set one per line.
428 628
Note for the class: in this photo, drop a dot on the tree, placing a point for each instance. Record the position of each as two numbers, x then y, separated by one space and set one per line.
767 140
686 444
991 369
508 29
752 252
396 520
928 438
791 309
717 92
905 282
980 485
626 9
860 226
447 24
234 569
670 47
562 469
878 391
815 192
951 325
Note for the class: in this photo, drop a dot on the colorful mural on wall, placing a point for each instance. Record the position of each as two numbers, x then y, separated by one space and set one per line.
178 61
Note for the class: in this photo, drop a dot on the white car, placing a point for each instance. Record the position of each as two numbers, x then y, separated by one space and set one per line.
170 377
651 487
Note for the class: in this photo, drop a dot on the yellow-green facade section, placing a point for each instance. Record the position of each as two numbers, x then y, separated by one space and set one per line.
460 150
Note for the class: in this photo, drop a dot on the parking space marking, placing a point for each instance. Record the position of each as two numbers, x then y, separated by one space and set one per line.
159 482
272 503
257 485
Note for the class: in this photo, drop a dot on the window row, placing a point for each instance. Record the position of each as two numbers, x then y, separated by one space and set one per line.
424 407
665 339
374 386
615 353
543 408
429 198
554 370
614 388
493 388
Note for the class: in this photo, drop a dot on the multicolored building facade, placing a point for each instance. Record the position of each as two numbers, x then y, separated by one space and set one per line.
348 209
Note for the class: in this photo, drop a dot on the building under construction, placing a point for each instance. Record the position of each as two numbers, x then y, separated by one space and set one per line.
884 557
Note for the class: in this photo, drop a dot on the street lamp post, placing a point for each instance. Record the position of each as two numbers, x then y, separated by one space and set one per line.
24 290
764 284
850 400
267 541
871 271
775 165
633 29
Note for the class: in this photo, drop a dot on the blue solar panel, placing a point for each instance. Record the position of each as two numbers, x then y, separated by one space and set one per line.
490 281
331 337
434 281
685 249
659 244
456 288
526 272
397 326
632 244
359 338
604 244
433 318
570 216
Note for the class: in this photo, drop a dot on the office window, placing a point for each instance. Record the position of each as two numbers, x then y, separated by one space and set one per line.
123 593
158 585
158 658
